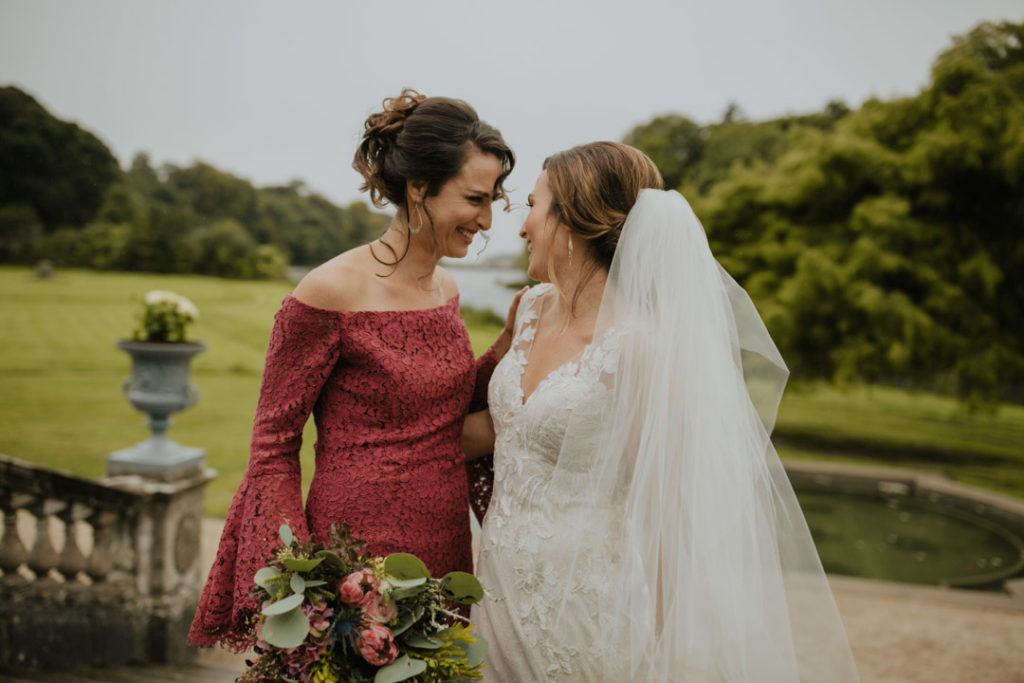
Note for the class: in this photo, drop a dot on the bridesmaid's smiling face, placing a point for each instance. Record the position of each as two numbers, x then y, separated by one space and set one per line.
540 230
463 205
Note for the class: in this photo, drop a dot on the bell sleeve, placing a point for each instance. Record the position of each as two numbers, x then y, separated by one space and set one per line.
304 347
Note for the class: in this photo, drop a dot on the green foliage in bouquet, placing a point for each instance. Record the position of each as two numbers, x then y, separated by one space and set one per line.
333 613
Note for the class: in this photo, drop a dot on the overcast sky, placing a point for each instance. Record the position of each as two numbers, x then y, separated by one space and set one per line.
276 91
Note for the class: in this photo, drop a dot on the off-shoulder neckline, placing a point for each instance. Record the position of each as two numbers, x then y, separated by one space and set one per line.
330 311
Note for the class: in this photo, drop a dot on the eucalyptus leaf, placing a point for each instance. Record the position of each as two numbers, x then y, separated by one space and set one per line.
297 565
407 583
263 576
399 670
421 641
286 630
462 587
298 584
477 652
286 534
330 558
406 620
318 582
405 566
403 593
283 605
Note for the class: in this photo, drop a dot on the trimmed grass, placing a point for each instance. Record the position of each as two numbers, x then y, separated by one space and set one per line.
61 403
899 428
60 372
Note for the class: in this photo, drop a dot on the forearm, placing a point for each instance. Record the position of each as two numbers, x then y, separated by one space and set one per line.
478 435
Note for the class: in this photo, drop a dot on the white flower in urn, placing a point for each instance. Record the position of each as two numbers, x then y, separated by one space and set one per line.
164 317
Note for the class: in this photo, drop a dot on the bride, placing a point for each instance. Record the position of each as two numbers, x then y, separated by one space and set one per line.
641 526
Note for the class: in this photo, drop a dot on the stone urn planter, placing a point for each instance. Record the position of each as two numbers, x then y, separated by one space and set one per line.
159 386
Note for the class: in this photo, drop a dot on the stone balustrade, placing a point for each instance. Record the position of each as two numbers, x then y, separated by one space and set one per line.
97 572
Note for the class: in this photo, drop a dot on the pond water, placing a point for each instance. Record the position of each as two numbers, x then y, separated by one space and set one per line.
908 539
486 288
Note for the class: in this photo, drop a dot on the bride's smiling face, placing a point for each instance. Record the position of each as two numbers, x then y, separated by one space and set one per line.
540 230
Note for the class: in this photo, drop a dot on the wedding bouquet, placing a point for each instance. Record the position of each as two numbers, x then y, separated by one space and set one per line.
333 613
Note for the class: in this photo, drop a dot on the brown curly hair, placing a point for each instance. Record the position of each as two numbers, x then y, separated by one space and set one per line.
422 138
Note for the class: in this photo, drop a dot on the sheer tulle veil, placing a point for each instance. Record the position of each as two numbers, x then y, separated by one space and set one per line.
712 573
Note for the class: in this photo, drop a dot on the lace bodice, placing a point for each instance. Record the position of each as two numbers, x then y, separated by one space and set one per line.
520 562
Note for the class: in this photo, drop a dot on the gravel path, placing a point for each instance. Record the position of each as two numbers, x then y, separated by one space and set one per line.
910 634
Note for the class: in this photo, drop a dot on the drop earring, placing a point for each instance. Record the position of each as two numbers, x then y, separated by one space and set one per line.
418 227
570 249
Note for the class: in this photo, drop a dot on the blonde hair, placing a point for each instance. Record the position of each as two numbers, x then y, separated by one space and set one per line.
594 187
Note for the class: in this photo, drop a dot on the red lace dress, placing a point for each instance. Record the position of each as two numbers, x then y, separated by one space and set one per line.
388 391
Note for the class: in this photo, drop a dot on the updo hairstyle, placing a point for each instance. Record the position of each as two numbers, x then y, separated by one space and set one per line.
594 187
423 138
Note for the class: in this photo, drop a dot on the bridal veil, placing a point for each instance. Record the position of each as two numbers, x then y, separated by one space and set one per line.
711 572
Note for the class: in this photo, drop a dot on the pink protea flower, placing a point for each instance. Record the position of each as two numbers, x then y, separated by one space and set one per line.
374 608
350 592
356 585
376 644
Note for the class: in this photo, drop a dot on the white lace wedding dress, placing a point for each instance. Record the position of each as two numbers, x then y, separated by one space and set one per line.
642 527
523 562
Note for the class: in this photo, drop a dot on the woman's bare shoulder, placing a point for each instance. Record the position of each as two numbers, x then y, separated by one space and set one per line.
340 284
448 284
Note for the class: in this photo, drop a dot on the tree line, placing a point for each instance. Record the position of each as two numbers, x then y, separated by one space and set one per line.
64 198
883 244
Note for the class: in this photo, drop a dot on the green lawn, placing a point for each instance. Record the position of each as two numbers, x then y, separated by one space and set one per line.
61 374
894 427
61 403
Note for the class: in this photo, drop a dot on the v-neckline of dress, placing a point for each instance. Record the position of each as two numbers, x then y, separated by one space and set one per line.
524 399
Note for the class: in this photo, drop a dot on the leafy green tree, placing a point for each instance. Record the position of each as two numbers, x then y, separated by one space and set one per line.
121 204
158 243
733 113
266 262
143 178
54 167
224 249
102 246
20 233
211 193
309 228
882 244
362 224
673 142
63 197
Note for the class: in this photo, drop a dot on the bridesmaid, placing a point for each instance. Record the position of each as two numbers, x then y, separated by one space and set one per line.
372 344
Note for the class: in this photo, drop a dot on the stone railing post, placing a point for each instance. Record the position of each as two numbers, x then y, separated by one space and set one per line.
97 572
166 556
